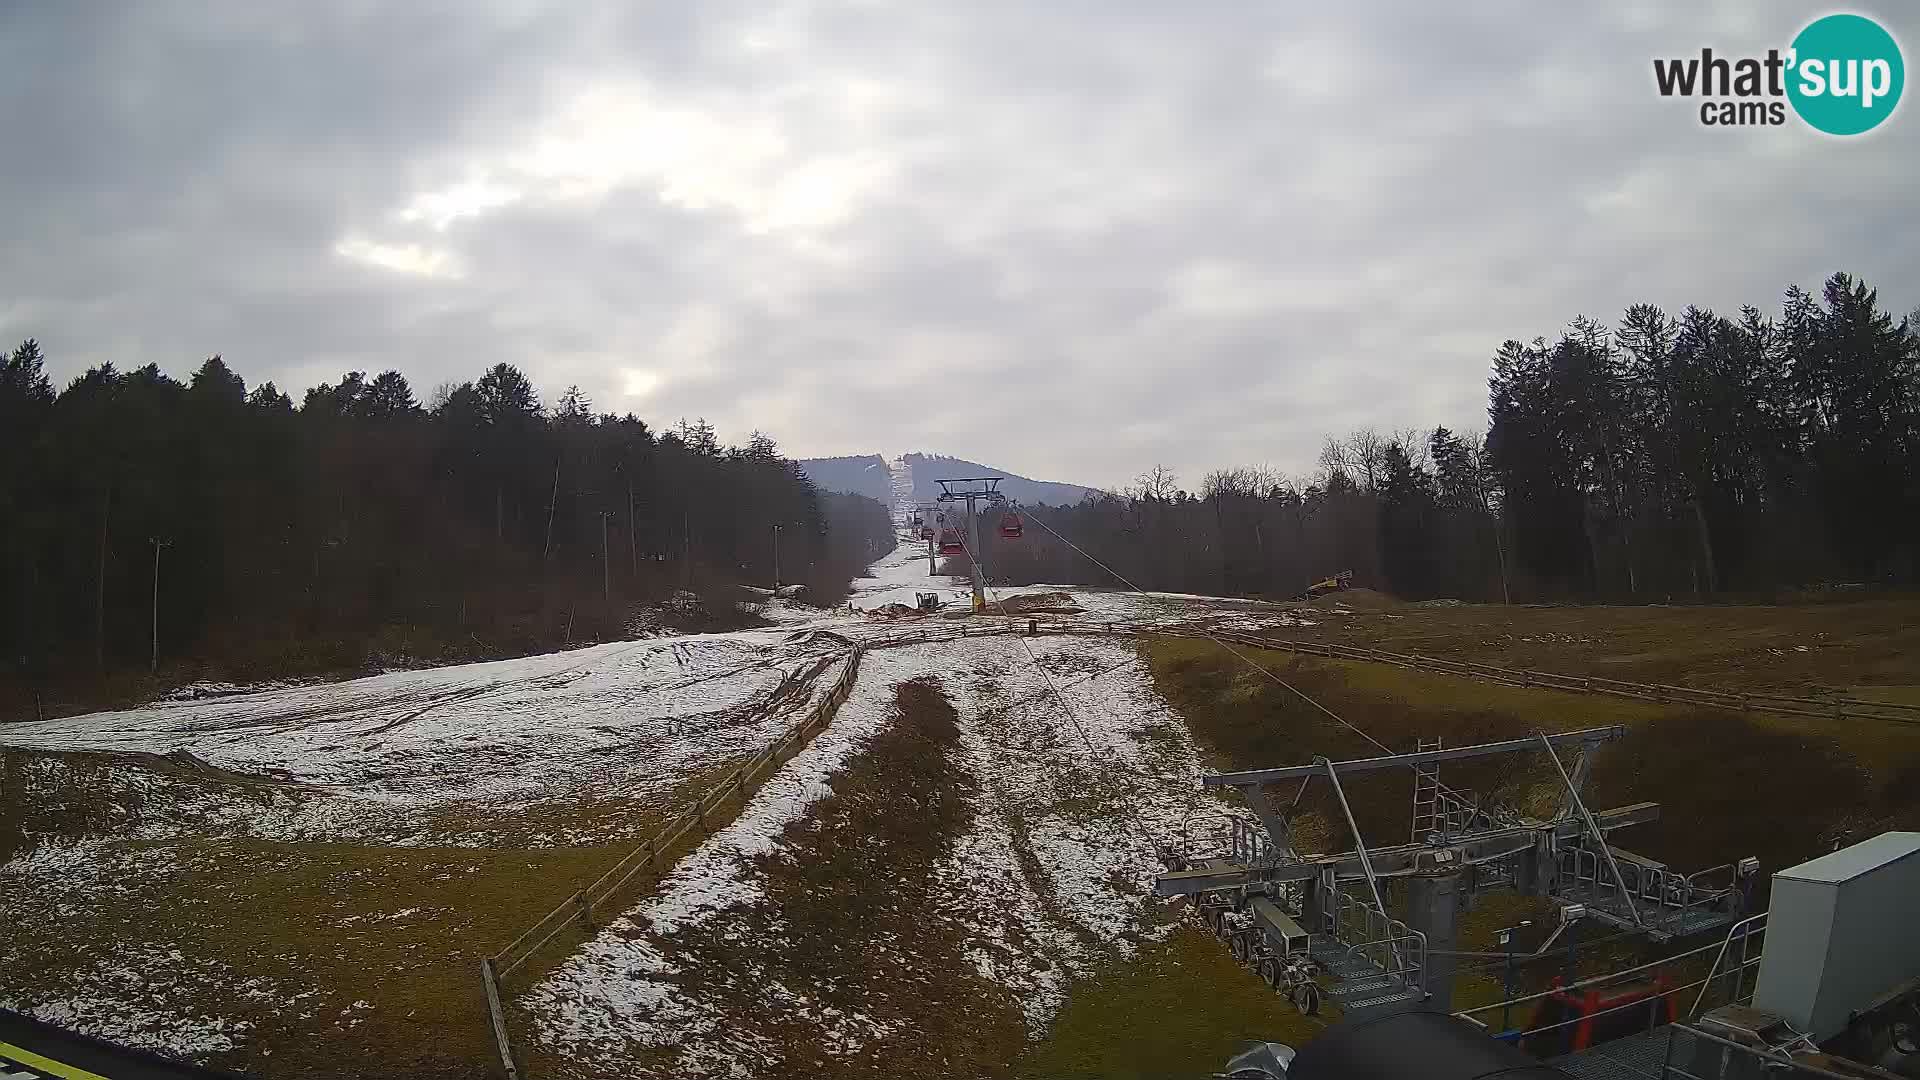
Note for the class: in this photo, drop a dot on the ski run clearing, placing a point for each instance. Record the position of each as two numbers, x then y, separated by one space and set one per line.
1046 881
218 877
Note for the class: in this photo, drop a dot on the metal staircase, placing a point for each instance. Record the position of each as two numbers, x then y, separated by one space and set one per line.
1373 961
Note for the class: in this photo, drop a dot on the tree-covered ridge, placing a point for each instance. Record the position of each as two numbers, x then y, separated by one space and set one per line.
305 537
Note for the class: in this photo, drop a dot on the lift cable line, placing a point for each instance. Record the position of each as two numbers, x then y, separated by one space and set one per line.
1139 818
1243 657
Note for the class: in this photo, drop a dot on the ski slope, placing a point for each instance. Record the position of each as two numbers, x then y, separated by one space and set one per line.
454 755
399 787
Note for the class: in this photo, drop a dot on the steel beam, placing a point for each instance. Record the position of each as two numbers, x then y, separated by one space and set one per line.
1252 777
1397 861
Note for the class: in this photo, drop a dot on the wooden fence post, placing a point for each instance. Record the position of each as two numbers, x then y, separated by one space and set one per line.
498 1019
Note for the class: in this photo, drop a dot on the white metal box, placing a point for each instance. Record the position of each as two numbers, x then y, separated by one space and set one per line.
1842 929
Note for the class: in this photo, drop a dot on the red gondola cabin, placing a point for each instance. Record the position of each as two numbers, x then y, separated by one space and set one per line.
1010 526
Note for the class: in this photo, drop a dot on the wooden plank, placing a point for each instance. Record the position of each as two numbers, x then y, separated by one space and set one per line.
498 1019
507 955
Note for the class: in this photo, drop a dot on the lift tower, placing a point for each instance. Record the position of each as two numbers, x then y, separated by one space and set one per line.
971 490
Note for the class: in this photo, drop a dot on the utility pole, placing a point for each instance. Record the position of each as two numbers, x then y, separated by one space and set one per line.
154 663
553 503
776 557
633 544
606 563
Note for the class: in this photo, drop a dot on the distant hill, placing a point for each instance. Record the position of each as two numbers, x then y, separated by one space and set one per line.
929 467
865 474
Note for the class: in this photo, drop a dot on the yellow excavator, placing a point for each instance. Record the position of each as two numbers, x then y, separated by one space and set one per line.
1341 580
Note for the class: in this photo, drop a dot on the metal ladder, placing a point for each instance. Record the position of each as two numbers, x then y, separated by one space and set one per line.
1426 793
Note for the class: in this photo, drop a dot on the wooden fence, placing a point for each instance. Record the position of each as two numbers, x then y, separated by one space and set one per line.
1831 708
1835 708
577 911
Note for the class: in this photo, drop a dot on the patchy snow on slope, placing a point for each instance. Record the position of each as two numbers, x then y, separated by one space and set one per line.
136 993
1049 880
453 754
617 987
1084 894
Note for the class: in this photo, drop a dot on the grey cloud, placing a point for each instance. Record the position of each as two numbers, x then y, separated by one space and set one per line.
1080 238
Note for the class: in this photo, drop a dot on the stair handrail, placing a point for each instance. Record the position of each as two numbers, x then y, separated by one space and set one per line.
1743 931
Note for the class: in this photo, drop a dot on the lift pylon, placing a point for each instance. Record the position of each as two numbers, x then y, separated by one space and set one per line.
970 490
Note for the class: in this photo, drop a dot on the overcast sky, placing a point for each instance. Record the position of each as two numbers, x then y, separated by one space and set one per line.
1070 238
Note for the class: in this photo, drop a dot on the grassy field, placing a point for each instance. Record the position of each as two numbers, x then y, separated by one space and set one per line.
1870 644
340 960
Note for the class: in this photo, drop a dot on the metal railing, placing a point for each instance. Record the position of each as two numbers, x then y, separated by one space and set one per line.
1248 844
1660 886
1711 1057
1390 945
1740 944
1731 976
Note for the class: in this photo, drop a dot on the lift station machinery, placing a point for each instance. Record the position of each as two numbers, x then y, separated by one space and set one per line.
1314 925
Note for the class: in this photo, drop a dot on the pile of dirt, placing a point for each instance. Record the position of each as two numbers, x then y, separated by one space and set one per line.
895 611
1038 603
1356 600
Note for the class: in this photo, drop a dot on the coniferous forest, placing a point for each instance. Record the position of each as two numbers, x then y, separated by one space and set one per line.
215 529
1696 456
149 521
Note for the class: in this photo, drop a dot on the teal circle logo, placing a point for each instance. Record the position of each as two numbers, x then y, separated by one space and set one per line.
1846 74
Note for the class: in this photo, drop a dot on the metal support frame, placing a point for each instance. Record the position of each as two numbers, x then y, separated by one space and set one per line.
1593 830
1460 846
1402 859
1395 761
1360 849
988 491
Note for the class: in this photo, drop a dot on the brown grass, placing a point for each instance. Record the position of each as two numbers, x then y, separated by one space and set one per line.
1856 645
846 917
